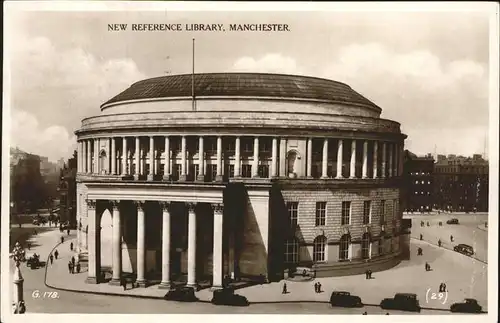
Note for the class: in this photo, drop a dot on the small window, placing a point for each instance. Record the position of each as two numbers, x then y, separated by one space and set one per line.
346 213
320 213
246 171
319 249
293 208
366 212
263 171
291 251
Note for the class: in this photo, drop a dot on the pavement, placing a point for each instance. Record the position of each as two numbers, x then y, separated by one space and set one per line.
54 290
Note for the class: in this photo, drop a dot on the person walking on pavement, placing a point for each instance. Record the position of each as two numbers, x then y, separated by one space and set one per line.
123 283
78 267
284 291
369 274
73 260
71 246
62 239
69 266
439 242
319 287
421 237
68 231
51 257
56 254
451 238
316 287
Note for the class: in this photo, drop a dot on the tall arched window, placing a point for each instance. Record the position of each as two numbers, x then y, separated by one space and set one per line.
319 249
365 246
345 242
291 251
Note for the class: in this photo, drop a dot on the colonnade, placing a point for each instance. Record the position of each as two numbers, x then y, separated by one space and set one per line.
94 244
387 163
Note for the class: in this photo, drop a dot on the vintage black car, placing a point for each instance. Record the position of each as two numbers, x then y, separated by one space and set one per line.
345 299
33 262
401 301
469 305
182 294
464 249
453 221
226 296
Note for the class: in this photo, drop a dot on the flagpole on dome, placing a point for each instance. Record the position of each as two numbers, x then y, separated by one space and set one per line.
192 83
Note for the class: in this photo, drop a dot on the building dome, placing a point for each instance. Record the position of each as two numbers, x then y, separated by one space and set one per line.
247 85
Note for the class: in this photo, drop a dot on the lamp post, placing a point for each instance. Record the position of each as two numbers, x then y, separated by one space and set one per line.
19 306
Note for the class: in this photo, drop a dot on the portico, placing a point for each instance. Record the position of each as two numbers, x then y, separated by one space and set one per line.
149 204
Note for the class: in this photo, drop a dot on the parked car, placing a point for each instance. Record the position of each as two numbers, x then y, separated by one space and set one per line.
401 301
345 299
226 296
469 305
453 221
464 249
182 294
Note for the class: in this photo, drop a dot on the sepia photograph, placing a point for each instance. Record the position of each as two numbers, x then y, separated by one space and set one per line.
238 158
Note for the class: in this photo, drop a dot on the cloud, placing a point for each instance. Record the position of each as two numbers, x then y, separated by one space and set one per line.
269 63
61 86
53 142
437 103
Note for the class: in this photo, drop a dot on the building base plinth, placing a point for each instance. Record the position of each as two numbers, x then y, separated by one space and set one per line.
200 178
192 285
216 287
166 178
115 282
182 178
150 177
141 283
164 285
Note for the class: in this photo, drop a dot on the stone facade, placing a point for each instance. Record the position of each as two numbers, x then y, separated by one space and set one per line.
165 190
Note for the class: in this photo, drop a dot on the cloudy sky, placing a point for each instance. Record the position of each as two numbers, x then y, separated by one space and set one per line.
428 71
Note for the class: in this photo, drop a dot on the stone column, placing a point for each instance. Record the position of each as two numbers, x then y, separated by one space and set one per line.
141 244
255 163
396 160
117 245
383 166
86 156
375 159
340 158
183 159
96 156
365 160
124 156
151 158
391 149
274 158
217 268
282 170
218 176
191 280
137 154
352 169
166 169
401 158
324 173
309 157
237 157
201 160
165 247
94 243
79 159
113 156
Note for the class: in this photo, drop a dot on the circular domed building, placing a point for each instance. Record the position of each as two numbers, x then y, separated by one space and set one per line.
254 174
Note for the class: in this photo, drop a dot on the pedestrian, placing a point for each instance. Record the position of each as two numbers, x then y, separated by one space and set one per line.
68 231
439 242
284 291
444 287
51 257
451 238
366 274
428 224
73 260
421 237
441 287
69 266
304 273
62 239
78 267
56 254
316 287
369 274
319 287
71 246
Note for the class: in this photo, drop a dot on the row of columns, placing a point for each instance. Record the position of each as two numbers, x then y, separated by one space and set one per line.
94 248
395 152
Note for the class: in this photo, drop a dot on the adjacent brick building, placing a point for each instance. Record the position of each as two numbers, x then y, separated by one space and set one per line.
461 183
260 173
418 187
67 191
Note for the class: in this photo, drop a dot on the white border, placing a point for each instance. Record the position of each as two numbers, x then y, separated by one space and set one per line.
486 7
